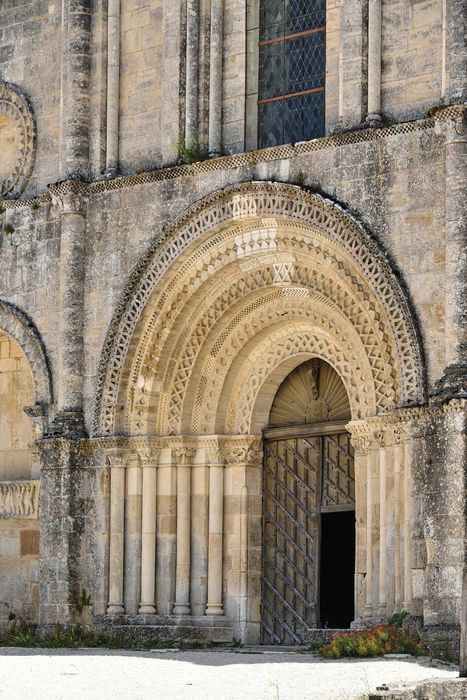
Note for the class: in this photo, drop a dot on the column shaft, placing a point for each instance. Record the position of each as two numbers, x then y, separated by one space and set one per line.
382 533
216 516
369 538
374 60
398 495
182 578
215 77
113 85
148 541
117 504
407 528
192 61
360 461
456 245
76 98
132 572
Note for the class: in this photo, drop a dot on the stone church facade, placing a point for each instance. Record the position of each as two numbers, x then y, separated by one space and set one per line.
233 303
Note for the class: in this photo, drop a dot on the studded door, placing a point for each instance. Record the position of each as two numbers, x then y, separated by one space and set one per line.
302 476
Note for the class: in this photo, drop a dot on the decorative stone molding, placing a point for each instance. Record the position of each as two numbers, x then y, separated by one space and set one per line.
17 140
19 499
18 326
258 199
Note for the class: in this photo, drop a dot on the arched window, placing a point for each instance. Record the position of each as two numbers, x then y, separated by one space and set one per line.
291 71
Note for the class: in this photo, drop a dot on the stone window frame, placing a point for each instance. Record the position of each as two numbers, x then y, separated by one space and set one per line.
252 75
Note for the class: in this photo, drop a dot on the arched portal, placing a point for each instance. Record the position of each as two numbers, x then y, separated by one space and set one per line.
308 507
244 288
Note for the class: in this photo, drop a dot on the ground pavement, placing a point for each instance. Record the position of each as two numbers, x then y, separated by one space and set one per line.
88 674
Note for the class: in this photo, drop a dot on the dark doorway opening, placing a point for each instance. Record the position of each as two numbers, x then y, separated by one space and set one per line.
337 569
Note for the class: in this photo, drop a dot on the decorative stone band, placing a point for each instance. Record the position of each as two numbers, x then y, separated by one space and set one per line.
19 499
240 159
222 449
399 425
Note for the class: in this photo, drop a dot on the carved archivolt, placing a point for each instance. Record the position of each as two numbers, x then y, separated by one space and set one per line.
258 235
22 330
17 140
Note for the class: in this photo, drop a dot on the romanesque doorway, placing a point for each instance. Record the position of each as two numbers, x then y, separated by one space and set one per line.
308 507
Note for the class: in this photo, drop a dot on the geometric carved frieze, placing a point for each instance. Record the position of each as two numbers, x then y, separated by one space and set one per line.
266 201
17 140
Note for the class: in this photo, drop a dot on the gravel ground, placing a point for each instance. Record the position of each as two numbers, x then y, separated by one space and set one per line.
86 674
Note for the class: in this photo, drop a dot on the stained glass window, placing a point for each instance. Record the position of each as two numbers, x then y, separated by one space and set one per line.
291 71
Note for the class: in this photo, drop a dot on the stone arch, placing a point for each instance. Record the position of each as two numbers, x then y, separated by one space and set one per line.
347 253
16 324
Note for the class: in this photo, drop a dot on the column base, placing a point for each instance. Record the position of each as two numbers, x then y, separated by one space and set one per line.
374 121
181 609
214 609
115 609
147 609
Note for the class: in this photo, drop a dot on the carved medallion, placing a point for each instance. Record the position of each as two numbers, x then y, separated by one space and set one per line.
17 140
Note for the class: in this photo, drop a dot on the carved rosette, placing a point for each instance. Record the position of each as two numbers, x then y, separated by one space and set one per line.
17 140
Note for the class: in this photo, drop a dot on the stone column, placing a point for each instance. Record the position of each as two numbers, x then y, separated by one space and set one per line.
353 62
132 559
113 86
69 202
74 138
183 457
199 533
408 523
398 526
374 63
166 530
173 44
191 86
383 563
60 562
457 31
369 539
148 532
216 529
361 515
215 77
452 121
117 463
463 650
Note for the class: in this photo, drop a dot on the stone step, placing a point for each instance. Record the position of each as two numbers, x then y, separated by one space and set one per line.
166 628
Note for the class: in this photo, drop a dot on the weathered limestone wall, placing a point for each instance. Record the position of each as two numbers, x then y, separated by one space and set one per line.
412 57
19 582
140 84
29 57
19 528
16 391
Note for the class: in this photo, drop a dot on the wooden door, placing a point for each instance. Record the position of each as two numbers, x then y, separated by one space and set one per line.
302 476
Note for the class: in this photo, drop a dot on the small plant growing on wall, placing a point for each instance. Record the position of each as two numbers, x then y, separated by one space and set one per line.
8 229
192 153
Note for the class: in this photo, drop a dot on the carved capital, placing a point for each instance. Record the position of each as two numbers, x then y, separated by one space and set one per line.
148 456
69 197
117 458
183 456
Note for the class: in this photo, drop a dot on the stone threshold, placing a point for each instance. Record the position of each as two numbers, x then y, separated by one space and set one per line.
188 629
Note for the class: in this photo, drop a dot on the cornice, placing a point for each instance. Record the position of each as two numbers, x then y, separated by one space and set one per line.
229 162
